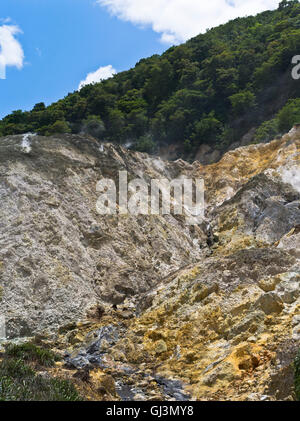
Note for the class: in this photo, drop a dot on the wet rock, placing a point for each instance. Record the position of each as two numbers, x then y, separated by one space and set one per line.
92 354
106 336
79 362
125 391
172 388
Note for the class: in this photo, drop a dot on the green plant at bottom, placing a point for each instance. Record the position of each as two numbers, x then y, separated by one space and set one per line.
20 381
32 352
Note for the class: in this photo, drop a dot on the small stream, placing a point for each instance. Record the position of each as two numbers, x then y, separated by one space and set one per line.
130 380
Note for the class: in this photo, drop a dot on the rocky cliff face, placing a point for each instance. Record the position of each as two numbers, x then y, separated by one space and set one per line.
147 307
59 258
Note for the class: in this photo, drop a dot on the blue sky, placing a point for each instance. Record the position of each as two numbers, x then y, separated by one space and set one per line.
65 40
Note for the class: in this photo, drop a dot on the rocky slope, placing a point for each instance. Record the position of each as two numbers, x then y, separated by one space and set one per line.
147 307
59 258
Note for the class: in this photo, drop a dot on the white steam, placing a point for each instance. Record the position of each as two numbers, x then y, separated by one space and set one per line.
26 144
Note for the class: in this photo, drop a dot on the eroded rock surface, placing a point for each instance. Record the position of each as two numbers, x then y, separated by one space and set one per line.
150 308
59 258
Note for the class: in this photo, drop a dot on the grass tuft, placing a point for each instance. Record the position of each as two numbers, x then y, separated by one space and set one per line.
33 353
20 382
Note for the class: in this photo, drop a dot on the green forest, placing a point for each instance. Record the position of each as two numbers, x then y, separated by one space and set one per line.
213 89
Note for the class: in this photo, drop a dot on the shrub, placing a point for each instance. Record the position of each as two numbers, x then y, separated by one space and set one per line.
267 131
34 387
62 390
15 368
207 130
93 126
31 352
145 144
242 102
289 115
20 382
60 126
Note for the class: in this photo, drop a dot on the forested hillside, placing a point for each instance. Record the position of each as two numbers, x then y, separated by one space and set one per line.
213 89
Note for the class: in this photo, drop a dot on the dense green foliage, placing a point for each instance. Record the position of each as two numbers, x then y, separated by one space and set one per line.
212 89
297 377
283 121
20 382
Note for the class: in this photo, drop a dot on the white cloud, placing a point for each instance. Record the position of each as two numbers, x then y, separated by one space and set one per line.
101 74
179 20
11 52
5 20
